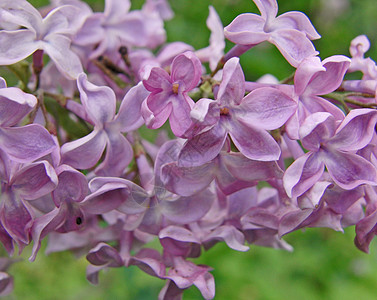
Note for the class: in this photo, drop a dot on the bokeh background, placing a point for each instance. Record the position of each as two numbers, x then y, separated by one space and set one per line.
324 265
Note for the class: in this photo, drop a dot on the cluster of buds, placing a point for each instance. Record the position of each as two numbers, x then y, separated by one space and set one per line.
240 162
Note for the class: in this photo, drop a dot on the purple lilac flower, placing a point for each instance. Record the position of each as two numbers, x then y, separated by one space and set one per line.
333 145
245 119
98 107
169 98
50 34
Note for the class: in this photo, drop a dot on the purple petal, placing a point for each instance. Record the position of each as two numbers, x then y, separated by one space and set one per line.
293 44
118 155
203 147
296 20
186 69
246 29
20 13
365 231
103 254
22 44
158 81
188 209
356 130
302 174
35 180
115 193
305 71
186 181
254 143
268 8
326 82
73 185
170 291
316 129
350 170
98 101
266 108
16 217
58 48
15 105
230 235
156 109
115 10
180 119
179 234
6 284
232 86
84 153
250 170
26 143
129 116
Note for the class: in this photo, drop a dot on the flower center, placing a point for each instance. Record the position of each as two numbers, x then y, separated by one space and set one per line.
175 88
224 111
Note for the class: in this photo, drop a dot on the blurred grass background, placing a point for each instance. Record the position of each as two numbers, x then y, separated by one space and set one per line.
324 264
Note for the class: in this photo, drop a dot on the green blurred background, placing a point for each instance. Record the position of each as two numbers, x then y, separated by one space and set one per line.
324 264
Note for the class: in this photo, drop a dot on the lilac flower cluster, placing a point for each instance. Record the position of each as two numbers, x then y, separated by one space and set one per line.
244 162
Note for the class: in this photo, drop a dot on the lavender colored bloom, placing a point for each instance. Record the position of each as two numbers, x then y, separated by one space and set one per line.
245 119
98 107
67 215
19 184
333 145
50 34
21 143
314 78
290 32
169 98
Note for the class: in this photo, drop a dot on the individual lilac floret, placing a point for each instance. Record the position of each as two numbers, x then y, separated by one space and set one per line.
67 215
333 145
23 143
19 184
314 78
98 108
49 34
215 51
245 119
290 32
117 26
169 98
